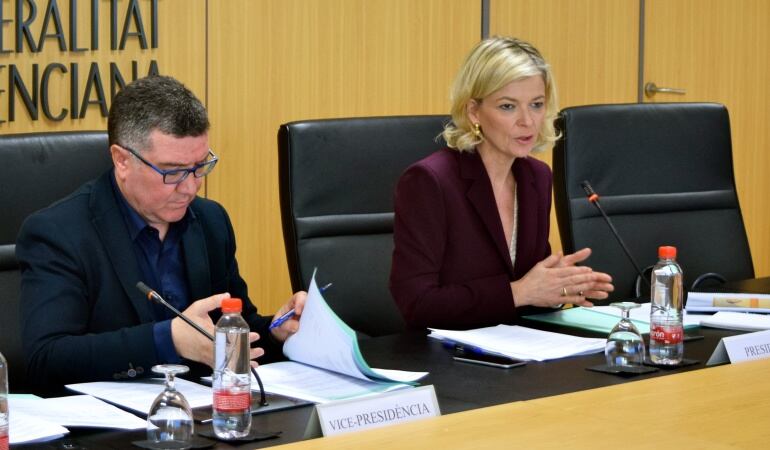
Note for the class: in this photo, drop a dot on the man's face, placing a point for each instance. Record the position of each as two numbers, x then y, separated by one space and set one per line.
158 203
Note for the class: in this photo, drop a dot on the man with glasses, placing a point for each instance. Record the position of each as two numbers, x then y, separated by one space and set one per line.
81 258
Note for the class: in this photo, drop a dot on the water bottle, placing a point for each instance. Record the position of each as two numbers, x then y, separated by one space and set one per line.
3 403
666 330
232 376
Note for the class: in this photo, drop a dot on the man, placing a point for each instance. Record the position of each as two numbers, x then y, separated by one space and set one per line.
83 317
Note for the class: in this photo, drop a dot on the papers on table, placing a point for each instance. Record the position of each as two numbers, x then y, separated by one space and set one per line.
326 362
310 383
35 419
325 341
28 428
76 411
712 302
737 321
138 395
522 343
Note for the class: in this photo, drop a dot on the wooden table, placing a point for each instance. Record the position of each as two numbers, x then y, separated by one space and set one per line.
719 407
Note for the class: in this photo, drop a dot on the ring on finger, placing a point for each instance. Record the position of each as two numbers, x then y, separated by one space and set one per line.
564 292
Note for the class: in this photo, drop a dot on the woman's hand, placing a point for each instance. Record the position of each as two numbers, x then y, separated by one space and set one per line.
557 280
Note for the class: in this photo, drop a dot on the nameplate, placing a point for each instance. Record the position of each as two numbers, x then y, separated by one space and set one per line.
404 405
744 347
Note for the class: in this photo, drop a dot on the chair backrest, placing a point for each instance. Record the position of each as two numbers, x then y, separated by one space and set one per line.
664 173
337 179
37 169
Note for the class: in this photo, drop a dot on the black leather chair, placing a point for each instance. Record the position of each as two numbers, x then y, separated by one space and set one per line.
36 170
664 173
336 184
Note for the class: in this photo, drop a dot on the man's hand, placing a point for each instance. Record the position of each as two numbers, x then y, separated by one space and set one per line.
291 326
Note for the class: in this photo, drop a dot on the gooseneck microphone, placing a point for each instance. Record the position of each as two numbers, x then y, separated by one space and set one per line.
155 297
593 197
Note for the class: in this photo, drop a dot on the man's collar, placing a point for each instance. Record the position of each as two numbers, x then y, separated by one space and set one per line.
134 221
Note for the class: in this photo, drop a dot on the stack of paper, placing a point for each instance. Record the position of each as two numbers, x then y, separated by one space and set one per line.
326 362
712 302
35 419
138 395
522 343
737 321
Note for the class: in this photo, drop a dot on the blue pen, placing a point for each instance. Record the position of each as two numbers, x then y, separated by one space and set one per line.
279 321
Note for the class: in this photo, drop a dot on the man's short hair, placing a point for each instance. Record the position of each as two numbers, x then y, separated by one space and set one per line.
155 103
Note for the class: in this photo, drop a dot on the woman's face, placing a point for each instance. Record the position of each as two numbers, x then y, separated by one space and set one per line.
511 117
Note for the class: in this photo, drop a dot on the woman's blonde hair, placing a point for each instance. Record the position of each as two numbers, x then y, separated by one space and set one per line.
491 65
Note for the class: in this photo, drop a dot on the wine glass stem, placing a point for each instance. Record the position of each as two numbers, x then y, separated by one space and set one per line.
170 381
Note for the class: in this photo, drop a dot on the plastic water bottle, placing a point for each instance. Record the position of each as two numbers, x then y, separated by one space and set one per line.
232 376
666 330
3 403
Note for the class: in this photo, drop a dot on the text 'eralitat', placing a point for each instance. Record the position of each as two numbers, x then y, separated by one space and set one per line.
30 26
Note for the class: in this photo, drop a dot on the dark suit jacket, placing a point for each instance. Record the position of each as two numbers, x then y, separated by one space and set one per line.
83 317
451 265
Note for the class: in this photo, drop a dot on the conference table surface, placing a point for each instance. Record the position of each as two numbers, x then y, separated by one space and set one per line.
594 401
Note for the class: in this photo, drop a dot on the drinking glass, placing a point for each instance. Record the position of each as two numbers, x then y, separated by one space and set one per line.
170 420
625 346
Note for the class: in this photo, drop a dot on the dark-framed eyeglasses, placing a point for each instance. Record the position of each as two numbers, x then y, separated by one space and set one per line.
176 176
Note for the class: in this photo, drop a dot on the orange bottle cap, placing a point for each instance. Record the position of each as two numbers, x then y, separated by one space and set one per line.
230 305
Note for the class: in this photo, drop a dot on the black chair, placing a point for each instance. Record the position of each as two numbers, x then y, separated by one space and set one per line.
37 169
337 179
664 173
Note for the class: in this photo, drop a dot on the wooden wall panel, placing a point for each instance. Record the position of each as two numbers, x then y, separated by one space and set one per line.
591 45
180 52
273 62
717 51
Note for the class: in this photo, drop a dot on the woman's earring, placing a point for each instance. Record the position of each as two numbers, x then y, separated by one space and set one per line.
477 130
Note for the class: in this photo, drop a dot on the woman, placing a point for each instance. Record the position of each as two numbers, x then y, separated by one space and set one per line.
472 220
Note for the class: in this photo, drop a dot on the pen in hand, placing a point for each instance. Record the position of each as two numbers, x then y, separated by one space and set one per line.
279 321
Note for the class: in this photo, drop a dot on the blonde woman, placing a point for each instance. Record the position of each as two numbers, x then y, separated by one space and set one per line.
472 220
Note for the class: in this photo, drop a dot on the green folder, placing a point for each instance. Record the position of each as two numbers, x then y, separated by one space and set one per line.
587 319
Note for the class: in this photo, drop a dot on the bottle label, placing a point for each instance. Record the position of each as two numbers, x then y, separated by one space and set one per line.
667 334
226 401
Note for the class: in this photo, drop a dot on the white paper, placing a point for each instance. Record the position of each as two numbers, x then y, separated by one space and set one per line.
138 395
737 321
642 314
26 428
522 343
321 341
77 411
317 385
325 341
720 301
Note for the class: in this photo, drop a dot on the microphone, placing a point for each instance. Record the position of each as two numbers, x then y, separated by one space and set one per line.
155 297
593 197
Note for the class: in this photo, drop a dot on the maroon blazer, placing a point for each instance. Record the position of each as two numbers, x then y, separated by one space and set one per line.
451 265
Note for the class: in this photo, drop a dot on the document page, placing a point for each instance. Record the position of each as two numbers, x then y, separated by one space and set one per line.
737 321
138 395
310 383
77 411
521 342
27 428
325 341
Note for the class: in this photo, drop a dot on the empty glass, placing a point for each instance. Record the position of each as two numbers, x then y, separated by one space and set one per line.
625 346
170 420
